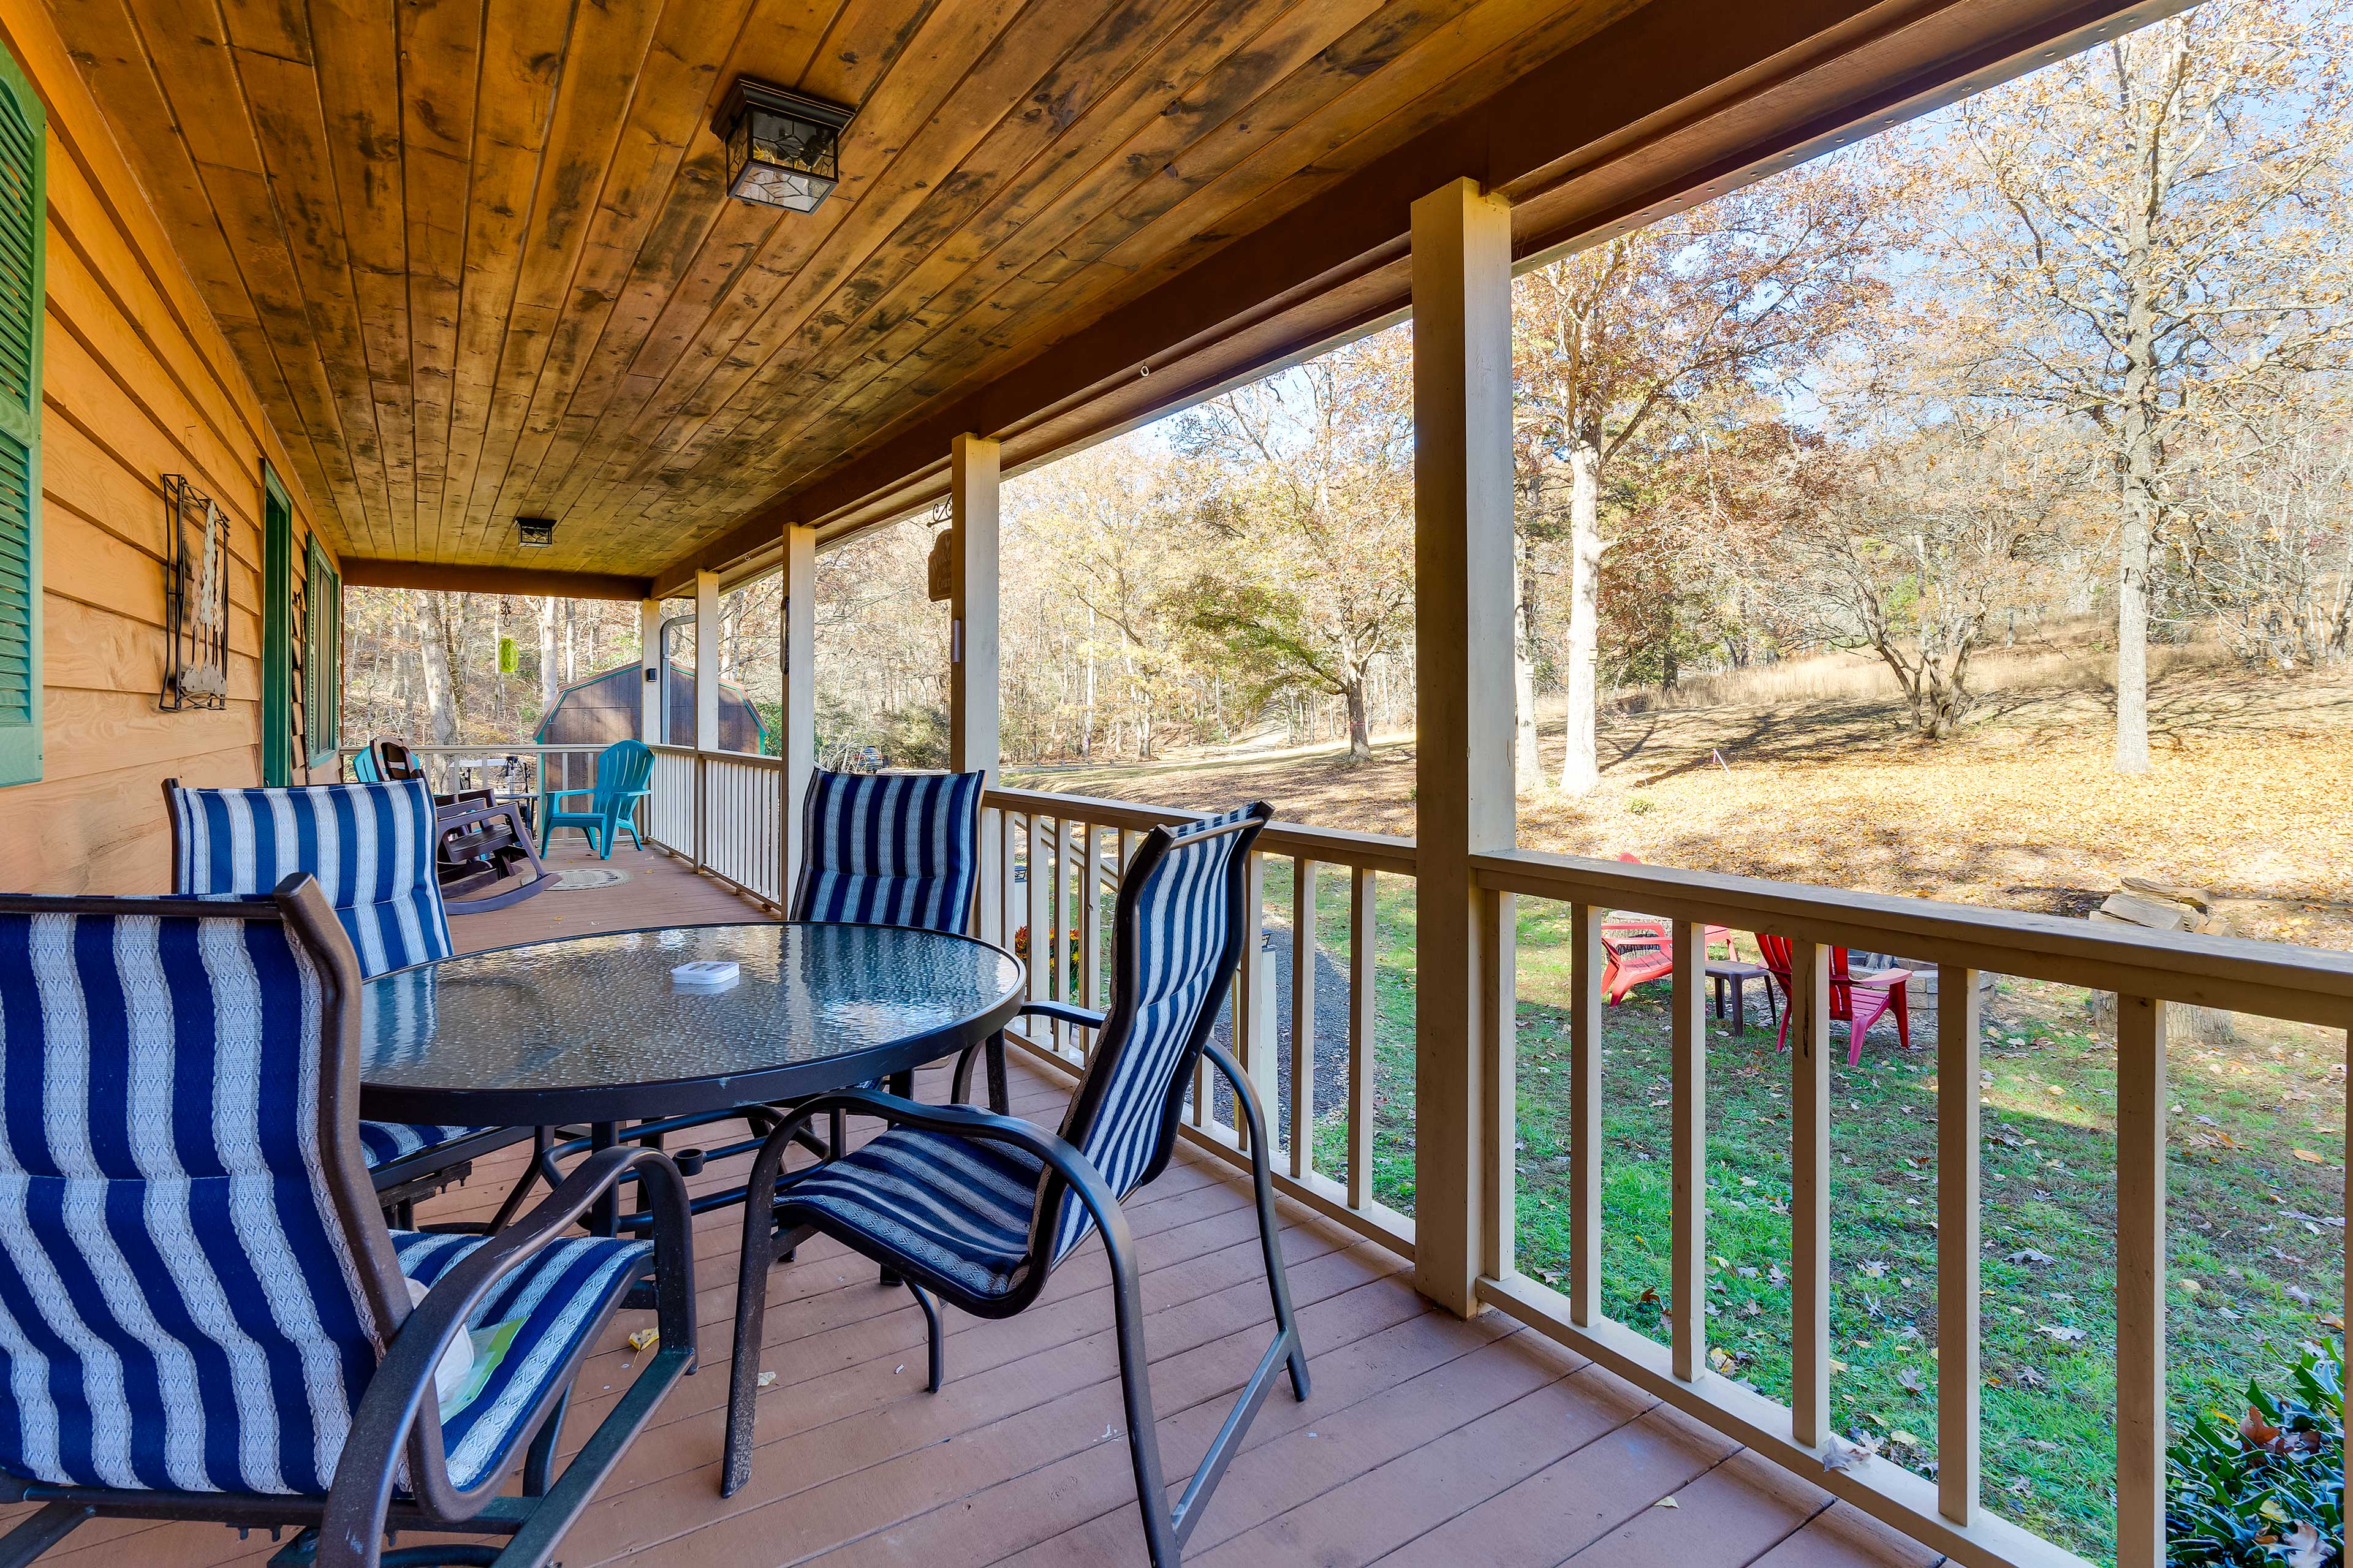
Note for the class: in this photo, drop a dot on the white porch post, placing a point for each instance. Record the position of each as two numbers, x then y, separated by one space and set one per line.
1463 641
706 661
798 661
973 647
650 687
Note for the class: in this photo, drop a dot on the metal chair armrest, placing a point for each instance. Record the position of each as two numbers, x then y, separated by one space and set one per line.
1068 1012
387 1415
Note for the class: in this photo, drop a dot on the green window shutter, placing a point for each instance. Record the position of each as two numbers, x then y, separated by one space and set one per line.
23 221
322 636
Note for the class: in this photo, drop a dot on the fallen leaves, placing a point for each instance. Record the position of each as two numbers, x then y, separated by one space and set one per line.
2030 1254
1841 1455
2060 1332
2309 1157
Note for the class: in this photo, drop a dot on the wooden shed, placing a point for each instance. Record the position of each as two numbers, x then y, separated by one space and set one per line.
609 706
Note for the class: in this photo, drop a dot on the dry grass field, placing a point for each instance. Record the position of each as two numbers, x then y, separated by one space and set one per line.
2252 795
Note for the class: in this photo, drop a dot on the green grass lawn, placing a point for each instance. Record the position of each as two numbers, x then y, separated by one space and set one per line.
2255 1236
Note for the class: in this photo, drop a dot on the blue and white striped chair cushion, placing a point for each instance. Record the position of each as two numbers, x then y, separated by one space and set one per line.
1170 960
961 1207
557 1299
369 845
179 1305
899 849
384 1142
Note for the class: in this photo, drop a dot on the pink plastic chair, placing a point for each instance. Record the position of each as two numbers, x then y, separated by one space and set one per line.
1858 1001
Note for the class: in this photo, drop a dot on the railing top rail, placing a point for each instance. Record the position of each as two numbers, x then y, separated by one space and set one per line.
1333 845
2235 973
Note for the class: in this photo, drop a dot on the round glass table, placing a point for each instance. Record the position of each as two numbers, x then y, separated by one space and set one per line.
590 1029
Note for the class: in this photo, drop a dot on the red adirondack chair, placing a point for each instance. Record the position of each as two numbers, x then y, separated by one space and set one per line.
1636 949
1858 1001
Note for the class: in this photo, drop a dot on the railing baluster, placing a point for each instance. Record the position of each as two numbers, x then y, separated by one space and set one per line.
1249 1002
1363 937
1687 1269
1303 1015
1091 924
1058 977
1585 1115
1809 1193
1040 944
2140 1281
1957 1177
1008 922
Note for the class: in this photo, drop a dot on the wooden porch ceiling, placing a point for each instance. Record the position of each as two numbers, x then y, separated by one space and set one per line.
477 257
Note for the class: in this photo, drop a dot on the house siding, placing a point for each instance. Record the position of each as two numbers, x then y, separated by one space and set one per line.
138 381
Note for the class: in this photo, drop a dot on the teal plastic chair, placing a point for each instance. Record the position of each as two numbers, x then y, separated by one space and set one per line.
625 772
364 768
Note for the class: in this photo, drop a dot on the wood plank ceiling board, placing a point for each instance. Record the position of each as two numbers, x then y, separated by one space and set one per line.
935 185
478 260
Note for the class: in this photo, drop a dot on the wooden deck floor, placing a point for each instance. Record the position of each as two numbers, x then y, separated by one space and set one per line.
1427 1441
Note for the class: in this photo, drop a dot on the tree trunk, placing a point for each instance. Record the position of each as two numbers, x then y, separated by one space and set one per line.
549 681
1360 731
433 655
1527 767
2133 553
1580 770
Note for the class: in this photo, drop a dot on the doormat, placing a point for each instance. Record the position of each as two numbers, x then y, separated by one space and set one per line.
582 877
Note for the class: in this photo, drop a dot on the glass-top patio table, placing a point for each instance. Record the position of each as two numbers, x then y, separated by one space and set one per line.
590 1029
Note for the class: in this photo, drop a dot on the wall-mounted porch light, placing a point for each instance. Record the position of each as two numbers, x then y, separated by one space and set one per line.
534 533
784 148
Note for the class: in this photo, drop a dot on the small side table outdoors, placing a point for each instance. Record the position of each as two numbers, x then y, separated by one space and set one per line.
1734 978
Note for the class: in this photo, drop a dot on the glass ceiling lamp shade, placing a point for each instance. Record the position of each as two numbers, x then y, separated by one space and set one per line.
784 148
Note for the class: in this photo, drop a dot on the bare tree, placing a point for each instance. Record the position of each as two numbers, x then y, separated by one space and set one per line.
2151 232
1928 543
1749 288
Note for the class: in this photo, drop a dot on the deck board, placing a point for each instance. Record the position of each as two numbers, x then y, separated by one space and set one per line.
1428 1440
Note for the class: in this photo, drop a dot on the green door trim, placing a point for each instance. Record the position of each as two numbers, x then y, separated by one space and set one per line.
277 630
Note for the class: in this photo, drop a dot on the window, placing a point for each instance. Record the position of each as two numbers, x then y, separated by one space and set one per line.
322 643
23 214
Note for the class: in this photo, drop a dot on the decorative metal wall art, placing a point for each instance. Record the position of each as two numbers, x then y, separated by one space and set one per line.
196 599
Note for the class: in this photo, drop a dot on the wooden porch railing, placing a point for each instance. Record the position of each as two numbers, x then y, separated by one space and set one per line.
2146 971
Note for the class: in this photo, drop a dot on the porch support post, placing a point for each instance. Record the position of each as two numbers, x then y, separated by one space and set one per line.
650 687
973 630
798 663
973 650
706 661
1462 648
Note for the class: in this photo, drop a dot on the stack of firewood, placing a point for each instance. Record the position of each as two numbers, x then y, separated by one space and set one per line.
2156 905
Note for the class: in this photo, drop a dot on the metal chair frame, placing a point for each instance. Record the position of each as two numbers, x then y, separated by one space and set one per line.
1067 1169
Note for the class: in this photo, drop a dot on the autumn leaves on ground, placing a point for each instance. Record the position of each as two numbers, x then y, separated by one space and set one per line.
2250 795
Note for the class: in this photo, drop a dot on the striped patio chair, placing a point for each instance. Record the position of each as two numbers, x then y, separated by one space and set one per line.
371 848
895 849
978 1208
202 1314
901 849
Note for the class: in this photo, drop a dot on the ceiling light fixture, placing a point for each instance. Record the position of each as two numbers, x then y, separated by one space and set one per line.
534 533
784 148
